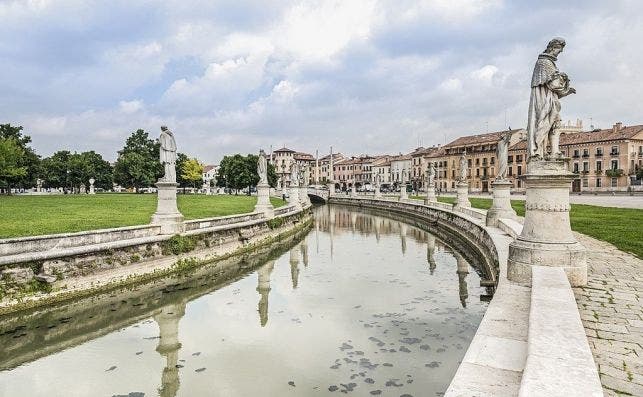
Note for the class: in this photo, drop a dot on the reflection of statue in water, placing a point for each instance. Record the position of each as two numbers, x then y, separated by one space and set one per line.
463 271
403 231
167 153
547 86
303 248
430 251
169 345
262 168
294 268
263 287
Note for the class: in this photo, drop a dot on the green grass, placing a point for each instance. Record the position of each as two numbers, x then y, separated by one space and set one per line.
618 226
36 215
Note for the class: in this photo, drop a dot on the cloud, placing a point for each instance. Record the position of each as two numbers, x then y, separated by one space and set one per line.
372 76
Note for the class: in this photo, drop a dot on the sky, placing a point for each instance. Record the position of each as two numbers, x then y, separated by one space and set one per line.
365 76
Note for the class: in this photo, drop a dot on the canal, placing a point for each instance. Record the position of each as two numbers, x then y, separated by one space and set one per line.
362 304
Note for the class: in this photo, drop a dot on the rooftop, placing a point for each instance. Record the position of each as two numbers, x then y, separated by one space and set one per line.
481 139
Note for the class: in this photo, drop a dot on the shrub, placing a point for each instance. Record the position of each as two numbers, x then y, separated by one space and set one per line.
178 244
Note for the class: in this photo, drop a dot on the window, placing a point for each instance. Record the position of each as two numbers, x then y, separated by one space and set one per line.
520 170
614 150
614 164
585 166
519 158
493 160
599 182
477 161
585 182
576 168
477 171
614 182
599 166
469 163
576 154
453 174
585 152
510 159
599 151
511 169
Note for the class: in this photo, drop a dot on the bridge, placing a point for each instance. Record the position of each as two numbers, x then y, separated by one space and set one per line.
318 195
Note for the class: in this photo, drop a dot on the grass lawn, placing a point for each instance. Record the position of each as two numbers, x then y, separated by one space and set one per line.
619 226
36 215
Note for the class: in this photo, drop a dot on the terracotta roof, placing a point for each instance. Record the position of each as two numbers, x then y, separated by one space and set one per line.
481 139
335 156
402 157
208 168
435 151
591 136
284 149
303 156
381 161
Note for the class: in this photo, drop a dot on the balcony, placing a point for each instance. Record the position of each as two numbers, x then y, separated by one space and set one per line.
576 156
585 155
599 154
613 153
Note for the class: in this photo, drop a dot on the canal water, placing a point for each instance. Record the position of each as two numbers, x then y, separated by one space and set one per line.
362 304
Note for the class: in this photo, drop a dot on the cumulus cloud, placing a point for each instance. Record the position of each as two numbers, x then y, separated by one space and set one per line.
374 76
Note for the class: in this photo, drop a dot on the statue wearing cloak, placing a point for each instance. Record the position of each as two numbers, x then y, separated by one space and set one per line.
168 155
262 168
502 153
547 86
294 175
463 167
431 175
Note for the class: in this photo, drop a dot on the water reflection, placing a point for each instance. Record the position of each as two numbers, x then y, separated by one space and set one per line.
380 320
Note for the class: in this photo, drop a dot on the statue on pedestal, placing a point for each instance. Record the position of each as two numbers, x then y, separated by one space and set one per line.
168 155
547 86
294 174
463 167
262 168
431 175
502 153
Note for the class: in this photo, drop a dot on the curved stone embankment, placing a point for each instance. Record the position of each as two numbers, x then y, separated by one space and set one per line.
531 341
43 270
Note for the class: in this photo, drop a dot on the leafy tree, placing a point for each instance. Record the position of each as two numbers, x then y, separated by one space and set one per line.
181 158
192 171
138 163
28 159
99 169
237 172
64 169
54 169
11 155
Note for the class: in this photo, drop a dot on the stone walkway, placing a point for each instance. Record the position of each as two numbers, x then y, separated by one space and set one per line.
612 313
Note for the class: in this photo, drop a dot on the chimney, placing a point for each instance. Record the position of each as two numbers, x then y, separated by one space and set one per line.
617 126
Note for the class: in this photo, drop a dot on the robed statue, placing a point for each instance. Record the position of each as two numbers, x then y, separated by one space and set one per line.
463 167
168 155
294 174
502 153
548 84
262 168
431 174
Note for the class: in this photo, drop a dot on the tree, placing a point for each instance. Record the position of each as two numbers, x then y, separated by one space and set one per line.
11 155
138 163
64 169
99 169
181 158
237 172
192 171
28 159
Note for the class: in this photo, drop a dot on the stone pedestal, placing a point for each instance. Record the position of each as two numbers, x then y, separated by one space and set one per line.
331 189
303 196
293 196
353 191
263 201
378 192
167 213
501 207
430 195
462 195
404 195
546 238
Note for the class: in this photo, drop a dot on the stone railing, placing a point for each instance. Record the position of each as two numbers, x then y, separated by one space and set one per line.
221 221
530 341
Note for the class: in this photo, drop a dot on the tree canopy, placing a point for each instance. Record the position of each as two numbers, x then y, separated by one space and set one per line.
192 171
10 161
23 159
238 172
64 169
138 164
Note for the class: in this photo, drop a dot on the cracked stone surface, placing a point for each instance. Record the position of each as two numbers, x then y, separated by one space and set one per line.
612 313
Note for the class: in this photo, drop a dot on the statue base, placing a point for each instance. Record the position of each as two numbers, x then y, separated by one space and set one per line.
462 196
546 238
303 196
167 214
293 196
501 207
331 189
378 193
353 192
404 195
263 201
430 195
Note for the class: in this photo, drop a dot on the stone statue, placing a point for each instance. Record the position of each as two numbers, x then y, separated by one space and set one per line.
294 174
431 174
262 168
305 175
168 155
547 86
502 151
463 167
